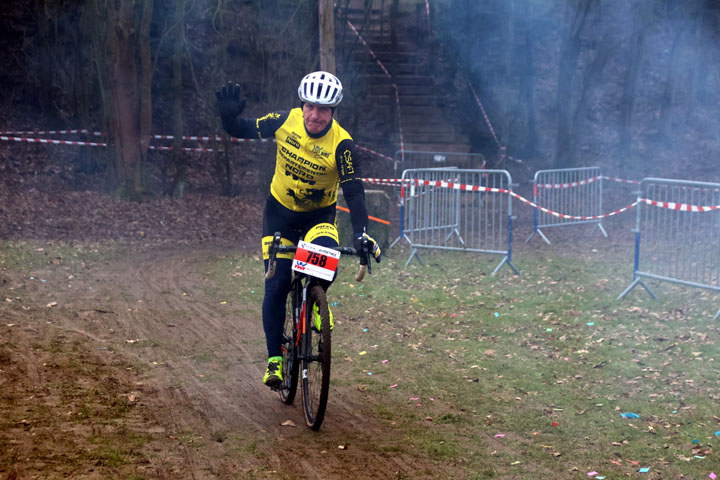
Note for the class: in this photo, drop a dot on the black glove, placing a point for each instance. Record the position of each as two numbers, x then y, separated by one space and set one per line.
228 100
372 247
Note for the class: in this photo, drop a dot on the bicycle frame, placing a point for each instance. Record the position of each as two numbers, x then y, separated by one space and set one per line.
299 350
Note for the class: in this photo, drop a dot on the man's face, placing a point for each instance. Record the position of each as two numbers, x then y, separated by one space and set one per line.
316 117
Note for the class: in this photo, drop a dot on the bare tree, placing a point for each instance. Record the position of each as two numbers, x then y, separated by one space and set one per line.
178 156
129 75
567 68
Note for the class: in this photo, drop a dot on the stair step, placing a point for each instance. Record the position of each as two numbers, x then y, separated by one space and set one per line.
385 89
434 147
401 80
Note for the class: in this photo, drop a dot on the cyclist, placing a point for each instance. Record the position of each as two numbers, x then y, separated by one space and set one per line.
314 155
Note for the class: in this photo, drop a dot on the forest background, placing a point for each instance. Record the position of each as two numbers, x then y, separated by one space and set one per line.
630 86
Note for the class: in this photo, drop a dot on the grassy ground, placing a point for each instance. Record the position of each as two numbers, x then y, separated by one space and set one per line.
546 375
506 376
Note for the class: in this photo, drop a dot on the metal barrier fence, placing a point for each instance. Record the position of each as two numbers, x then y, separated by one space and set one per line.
572 191
677 234
422 159
462 216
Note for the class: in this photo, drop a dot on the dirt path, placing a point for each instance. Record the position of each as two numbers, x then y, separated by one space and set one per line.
200 361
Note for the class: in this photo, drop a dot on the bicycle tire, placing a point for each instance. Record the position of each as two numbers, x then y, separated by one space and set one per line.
316 357
291 365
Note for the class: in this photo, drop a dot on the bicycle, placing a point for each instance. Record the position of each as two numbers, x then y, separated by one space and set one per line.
303 346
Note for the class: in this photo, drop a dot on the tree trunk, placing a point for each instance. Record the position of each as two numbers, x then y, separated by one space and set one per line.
569 54
130 78
664 133
327 35
627 100
527 83
177 157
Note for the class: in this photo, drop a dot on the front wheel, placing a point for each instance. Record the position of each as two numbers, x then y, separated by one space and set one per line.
315 357
290 365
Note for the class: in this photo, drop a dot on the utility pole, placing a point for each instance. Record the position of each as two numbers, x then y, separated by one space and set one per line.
326 23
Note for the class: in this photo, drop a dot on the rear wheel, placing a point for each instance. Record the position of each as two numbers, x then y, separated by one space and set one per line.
291 365
316 360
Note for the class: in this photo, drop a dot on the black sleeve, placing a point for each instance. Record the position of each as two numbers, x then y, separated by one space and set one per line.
355 197
263 127
348 166
348 163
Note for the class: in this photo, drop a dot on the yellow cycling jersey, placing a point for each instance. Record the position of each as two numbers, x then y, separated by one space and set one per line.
306 169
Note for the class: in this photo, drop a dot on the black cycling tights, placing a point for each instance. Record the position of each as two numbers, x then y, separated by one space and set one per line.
274 302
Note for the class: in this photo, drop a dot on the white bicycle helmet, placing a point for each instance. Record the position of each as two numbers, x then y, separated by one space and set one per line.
321 88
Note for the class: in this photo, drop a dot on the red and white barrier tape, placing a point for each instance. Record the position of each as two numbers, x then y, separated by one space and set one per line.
365 149
50 141
586 181
487 119
683 207
8 137
477 188
51 132
621 180
387 74
184 149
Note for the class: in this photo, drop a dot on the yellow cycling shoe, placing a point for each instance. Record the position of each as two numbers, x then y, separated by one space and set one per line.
317 323
273 375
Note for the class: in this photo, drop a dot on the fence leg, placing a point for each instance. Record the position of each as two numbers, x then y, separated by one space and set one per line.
401 237
638 281
602 230
455 231
539 232
505 260
717 315
414 253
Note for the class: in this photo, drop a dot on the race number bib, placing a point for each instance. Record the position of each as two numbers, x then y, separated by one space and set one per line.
315 260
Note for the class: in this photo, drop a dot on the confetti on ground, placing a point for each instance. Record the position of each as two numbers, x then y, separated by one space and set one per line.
363 353
644 470
365 330
385 361
554 424
497 314
592 474
499 435
629 415
712 475
590 324
393 386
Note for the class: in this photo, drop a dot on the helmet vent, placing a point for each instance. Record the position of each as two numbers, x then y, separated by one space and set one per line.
321 88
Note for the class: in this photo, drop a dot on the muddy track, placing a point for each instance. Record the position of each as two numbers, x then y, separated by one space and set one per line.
201 364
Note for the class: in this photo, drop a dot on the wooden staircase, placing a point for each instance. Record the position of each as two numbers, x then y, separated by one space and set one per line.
425 114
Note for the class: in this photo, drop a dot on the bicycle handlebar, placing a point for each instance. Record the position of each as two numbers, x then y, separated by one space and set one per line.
276 248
